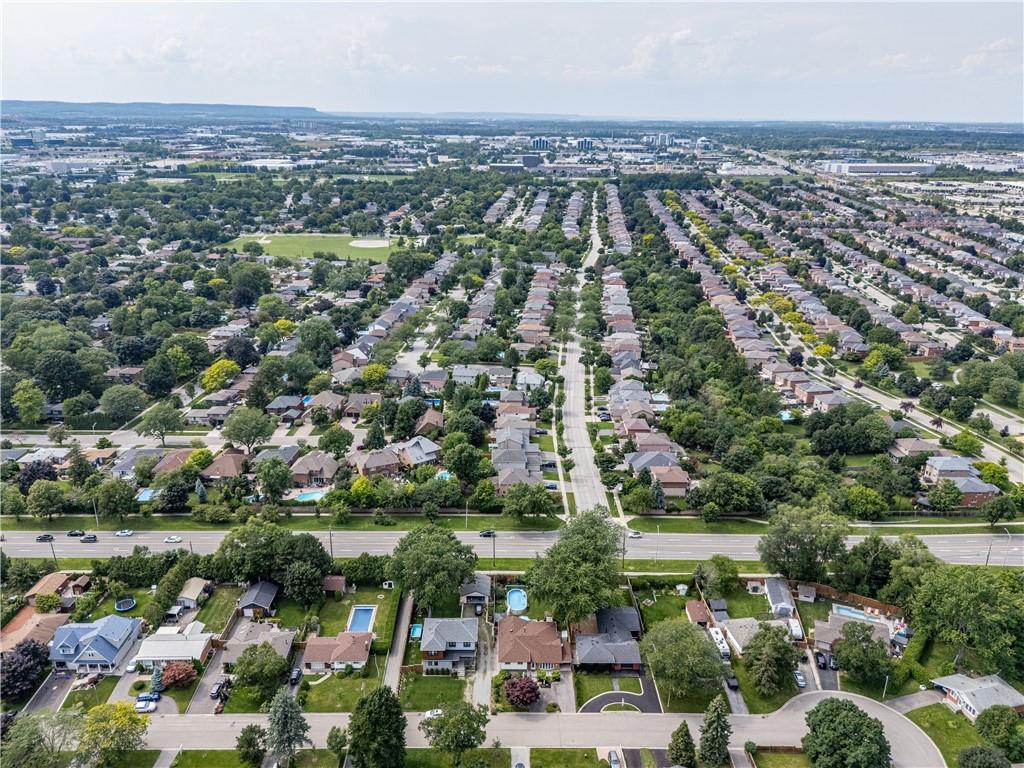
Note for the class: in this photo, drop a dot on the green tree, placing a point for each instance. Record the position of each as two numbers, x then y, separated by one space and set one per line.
715 733
861 655
681 749
998 509
982 756
374 375
287 729
260 667
251 745
160 420
79 468
28 400
47 603
318 339
913 559
45 499
464 461
248 427
865 568
274 477
432 563
335 440
123 402
159 376
523 500
460 726
57 434
219 374
580 573
111 731
770 656
374 439
115 498
376 731
43 738
337 741
861 503
303 583
12 501
998 725
966 443
681 656
801 543
945 496
839 734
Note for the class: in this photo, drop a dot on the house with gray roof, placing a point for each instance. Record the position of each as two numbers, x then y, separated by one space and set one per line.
448 644
608 641
973 695
97 646
476 591
258 599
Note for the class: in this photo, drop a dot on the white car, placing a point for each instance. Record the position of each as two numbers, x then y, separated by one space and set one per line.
173 540
125 532
432 714
635 535
799 679
145 706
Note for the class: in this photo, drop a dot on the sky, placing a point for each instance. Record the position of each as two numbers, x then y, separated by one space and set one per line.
687 61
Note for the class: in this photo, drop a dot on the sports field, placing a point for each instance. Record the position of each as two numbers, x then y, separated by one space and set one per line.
297 246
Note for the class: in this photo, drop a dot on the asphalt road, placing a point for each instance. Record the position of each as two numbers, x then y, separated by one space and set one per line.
1006 549
911 748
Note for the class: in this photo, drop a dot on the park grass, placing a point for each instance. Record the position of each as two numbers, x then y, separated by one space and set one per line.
92 697
219 607
782 760
421 693
208 758
340 694
756 703
431 758
297 246
563 758
242 699
950 731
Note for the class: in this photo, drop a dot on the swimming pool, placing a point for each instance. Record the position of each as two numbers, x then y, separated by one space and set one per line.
415 631
516 600
853 613
361 618
311 495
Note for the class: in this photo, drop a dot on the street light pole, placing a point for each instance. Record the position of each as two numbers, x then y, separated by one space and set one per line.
56 564
494 550
95 513
657 544
330 540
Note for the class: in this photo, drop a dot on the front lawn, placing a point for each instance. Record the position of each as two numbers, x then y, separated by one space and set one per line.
421 693
756 703
92 697
782 760
208 758
241 700
219 607
692 701
430 758
950 731
315 758
563 758
340 694
591 684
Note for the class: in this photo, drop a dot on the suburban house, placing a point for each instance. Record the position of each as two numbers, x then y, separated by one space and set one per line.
29 625
380 462
255 633
607 641
675 481
448 644
346 649
315 468
477 591
939 468
286 453
525 645
60 584
973 695
739 632
169 644
903 447
826 634
98 646
417 451
193 593
974 491
258 599
431 421
224 466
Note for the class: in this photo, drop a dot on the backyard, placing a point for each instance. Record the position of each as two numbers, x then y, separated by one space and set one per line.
742 604
658 600
143 597
950 731
420 693
218 608
339 693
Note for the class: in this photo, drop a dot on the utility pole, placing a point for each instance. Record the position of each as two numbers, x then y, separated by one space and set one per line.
95 513
494 550
56 564
623 548
330 540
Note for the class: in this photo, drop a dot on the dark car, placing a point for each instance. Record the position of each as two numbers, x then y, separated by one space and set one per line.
733 683
76 532
295 676
819 659
149 696
488 534
478 609
88 538
218 688
833 662
44 537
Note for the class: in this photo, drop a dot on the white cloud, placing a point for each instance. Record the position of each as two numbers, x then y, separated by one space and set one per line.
1000 57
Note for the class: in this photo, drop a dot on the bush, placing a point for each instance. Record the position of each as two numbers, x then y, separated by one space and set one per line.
179 674
551 707
521 692
750 747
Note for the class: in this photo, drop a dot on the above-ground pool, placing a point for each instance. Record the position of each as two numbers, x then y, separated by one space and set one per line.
516 600
415 631
124 604
361 618
311 495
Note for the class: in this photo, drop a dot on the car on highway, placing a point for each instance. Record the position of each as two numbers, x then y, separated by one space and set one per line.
44 537
173 540
145 707
799 679
635 535
487 534
89 538
833 662
431 714
125 532
76 532
819 659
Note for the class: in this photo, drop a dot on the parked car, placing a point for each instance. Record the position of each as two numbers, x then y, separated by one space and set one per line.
613 760
218 689
635 535
833 662
478 609
799 679
125 532
295 676
89 538
149 696
76 532
604 417
44 537
430 715
732 682
819 659
145 706
550 485
487 534
173 540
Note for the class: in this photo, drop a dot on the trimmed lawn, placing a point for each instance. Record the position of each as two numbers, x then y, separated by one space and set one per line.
950 731
546 443
693 701
756 703
218 608
241 700
290 614
621 707
334 613
143 597
782 760
315 758
208 758
590 684
742 604
303 245
92 697
429 758
340 694
449 609
629 684
563 758
421 693
809 612
679 524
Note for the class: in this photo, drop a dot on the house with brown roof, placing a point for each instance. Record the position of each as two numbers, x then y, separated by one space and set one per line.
698 613
431 421
381 462
675 481
60 584
224 466
346 649
29 625
172 460
315 468
525 645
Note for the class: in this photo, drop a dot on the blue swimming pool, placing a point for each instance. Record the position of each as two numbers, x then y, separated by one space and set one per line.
311 495
361 618
516 599
852 613
415 631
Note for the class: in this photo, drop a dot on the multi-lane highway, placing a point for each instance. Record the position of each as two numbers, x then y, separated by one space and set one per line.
1001 548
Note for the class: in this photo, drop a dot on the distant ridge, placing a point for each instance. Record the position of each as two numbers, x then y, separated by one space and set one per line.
151 110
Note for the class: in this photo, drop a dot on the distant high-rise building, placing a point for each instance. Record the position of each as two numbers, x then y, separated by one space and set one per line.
584 144
540 143
665 139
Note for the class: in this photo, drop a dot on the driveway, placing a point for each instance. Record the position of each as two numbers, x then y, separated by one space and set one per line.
633 758
904 704
51 694
201 703
393 671
646 701
486 665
